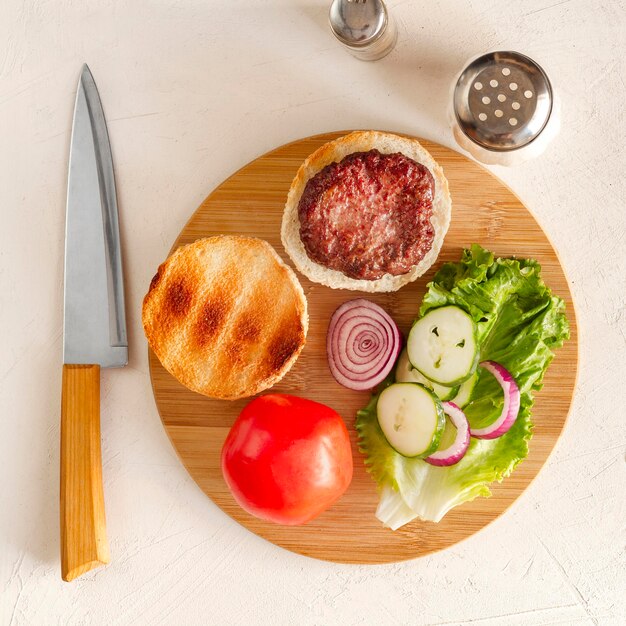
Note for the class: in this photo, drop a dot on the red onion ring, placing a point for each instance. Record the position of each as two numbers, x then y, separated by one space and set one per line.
362 343
457 449
511 405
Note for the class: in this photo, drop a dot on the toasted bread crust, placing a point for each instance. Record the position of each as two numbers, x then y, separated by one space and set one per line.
334 151
225 316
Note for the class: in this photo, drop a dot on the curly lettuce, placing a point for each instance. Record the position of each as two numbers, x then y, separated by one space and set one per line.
519 323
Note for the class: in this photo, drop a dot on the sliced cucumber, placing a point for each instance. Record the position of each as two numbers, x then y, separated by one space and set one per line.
442 345
464 393
445 393
411 418
407 374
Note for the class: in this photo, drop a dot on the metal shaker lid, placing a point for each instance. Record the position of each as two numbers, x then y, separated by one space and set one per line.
358 23
502 100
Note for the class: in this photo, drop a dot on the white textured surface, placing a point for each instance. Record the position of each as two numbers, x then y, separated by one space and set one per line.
193 89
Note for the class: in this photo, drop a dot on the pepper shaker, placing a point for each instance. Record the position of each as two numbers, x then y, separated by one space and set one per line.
364 27
503 108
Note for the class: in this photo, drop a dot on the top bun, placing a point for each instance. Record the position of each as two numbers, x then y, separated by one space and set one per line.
225 316
335 151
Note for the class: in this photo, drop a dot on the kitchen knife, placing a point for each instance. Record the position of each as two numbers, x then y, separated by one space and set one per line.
94 330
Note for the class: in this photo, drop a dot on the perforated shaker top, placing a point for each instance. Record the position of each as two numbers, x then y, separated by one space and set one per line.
503 100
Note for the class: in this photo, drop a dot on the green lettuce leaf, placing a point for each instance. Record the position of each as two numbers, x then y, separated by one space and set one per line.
520 323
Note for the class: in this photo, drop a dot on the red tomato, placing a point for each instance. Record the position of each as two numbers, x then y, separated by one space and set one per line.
287 459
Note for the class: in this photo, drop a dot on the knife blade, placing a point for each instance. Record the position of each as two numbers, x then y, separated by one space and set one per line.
94 329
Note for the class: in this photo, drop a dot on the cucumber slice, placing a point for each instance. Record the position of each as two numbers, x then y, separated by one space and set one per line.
405 373
445 393
411 418
464 392
442 345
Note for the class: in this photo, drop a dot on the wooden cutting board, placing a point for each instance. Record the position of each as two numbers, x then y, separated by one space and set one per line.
485 211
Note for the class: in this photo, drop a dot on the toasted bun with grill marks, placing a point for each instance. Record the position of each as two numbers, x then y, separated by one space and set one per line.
335 151
225 316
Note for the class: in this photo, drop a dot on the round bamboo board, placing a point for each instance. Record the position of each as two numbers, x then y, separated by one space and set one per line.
485 211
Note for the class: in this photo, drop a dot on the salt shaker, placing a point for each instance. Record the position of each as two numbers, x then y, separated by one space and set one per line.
364 27
504 109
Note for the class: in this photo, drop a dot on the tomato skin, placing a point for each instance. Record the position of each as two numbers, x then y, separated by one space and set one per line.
287 459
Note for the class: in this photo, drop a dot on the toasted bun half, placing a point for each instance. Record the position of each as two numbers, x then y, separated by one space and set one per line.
335 151
225 316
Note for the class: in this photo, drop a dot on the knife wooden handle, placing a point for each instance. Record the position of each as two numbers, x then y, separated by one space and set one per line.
84 543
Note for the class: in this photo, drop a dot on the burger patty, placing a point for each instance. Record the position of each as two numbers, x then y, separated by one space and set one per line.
368 215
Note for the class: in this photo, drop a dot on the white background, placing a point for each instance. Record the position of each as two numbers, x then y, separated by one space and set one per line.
192 91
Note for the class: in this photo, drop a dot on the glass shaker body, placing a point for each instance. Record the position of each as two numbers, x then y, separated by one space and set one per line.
364 27
503 109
